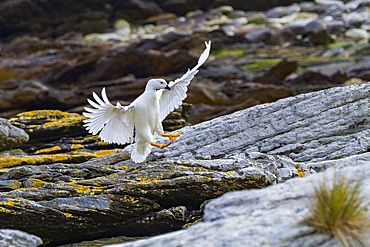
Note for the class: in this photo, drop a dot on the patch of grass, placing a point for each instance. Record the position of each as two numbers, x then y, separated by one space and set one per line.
340 209
341 44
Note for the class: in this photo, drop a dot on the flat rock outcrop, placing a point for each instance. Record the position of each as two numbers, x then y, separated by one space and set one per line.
264 217
328 124
108 195
105 197
64 178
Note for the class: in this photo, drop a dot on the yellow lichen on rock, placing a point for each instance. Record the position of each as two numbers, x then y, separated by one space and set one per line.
86 139
75 157
43 159
51 119
32 183
48 150
300 171
76 146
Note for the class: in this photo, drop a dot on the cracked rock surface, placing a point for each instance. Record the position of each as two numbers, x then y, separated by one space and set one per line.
264 217
323 125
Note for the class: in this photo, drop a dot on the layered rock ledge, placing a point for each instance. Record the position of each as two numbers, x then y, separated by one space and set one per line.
265 217
109 196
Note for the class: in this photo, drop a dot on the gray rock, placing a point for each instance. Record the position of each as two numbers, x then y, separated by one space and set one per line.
355 19
256 18
110 195
314 27
312 7
328 124
335 27
265 217
15 238
281 37
279 12
258 35
11 136
361 70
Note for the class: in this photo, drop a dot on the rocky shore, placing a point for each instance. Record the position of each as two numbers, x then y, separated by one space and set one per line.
257 56
74 200
60 185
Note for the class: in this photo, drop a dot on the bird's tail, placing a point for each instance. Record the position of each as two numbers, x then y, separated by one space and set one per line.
141 151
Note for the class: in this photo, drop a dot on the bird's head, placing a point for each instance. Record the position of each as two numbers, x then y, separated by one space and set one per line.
157 84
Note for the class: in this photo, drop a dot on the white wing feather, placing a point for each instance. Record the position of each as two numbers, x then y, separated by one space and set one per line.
171 99
116 123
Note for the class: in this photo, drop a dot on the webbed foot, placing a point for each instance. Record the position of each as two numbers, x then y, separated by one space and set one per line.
172 137
160 145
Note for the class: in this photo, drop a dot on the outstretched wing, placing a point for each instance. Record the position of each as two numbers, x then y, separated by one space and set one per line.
171 99
116 123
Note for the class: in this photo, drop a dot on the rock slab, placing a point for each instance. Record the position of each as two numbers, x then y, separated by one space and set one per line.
15 238
323 125
264 217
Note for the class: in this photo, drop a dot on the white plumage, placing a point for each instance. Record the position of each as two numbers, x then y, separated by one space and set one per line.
116 122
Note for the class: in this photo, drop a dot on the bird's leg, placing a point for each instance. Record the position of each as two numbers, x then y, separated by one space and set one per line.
172 137
160 145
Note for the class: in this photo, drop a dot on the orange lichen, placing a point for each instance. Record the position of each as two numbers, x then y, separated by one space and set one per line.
52 119
300 171
48 150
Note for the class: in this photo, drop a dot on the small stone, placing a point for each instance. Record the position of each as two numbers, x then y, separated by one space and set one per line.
335 27
357 33
226 9
258 35
11 136
121 23
330 2
281 37
285 174
354 19
237 14
194 13
279 12
314 27
257 18
219 21
321 38
361 70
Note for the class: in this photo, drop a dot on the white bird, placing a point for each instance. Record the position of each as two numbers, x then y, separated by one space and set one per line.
116 123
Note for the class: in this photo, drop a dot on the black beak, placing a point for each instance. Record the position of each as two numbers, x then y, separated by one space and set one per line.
167 87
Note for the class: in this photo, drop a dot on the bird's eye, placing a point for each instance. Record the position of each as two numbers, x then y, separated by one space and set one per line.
161 82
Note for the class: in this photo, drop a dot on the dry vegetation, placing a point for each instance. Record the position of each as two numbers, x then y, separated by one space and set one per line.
340 208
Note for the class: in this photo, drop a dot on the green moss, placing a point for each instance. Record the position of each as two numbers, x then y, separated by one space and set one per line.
262 63
341 44
222 53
